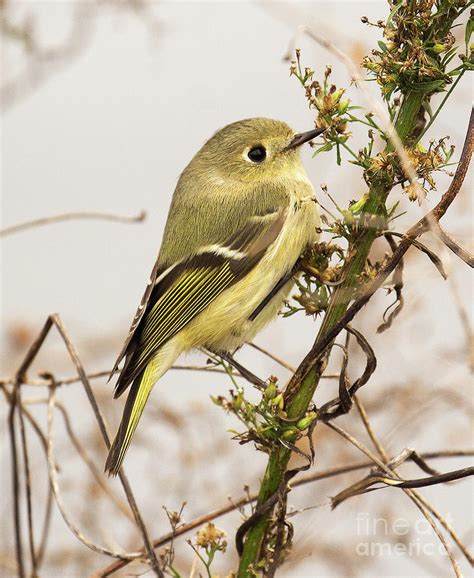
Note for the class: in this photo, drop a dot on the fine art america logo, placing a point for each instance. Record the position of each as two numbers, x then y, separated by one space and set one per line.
382 537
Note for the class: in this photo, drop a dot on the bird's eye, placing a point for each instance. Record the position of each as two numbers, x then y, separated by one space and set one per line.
257 154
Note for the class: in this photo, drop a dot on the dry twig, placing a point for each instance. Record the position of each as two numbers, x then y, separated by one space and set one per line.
74 216
54 320
413 497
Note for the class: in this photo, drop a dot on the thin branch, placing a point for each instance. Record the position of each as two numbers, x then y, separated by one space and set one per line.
432 256
16 483
414 498
433 480
459 251
41 382
445 525
29 508
409 454
442 103
30 356
75 216
57 494
103 428
8 395
46 526
340 470
271 356
365 485
373 438
413 494
96 473
81 451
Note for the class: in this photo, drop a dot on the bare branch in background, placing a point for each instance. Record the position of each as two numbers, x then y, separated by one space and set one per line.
272 356
54 320
42 61
463 254
78 216
15 482
57 495
410 493
416 497
27 481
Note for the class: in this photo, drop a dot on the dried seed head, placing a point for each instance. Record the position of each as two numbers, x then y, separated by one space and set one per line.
210 535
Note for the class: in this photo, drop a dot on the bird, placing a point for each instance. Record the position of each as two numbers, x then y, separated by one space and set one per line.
241 215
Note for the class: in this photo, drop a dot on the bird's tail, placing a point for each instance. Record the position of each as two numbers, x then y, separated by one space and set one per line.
136 400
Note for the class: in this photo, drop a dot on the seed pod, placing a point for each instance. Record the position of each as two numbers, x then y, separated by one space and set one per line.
237 403
270 391
276 400
439 48
290 434
306 421
343 106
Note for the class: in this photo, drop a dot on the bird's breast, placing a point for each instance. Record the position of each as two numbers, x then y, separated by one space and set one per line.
228 316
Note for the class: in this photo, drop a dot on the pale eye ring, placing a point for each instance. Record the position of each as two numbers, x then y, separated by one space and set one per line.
257 154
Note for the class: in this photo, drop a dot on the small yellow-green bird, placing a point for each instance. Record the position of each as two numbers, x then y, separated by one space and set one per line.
242 213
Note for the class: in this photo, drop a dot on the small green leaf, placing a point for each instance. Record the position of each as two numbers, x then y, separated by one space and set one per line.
393 209
449 154
382 46
468 65
357 207
290 434
393 12
438 48
326 147
457 71
469 31
448 57
343 106
306 421
430 86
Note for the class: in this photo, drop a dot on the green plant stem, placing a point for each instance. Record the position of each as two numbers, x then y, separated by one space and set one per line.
348 149
297 402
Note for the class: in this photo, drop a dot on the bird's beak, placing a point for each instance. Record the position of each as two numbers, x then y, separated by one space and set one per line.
303 137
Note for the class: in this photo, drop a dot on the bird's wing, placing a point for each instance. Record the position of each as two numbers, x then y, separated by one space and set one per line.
152 283
174 297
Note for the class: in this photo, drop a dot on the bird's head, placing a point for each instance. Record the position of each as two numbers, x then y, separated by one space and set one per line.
253 150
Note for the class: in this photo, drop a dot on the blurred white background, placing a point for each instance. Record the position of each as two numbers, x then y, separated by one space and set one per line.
109 127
